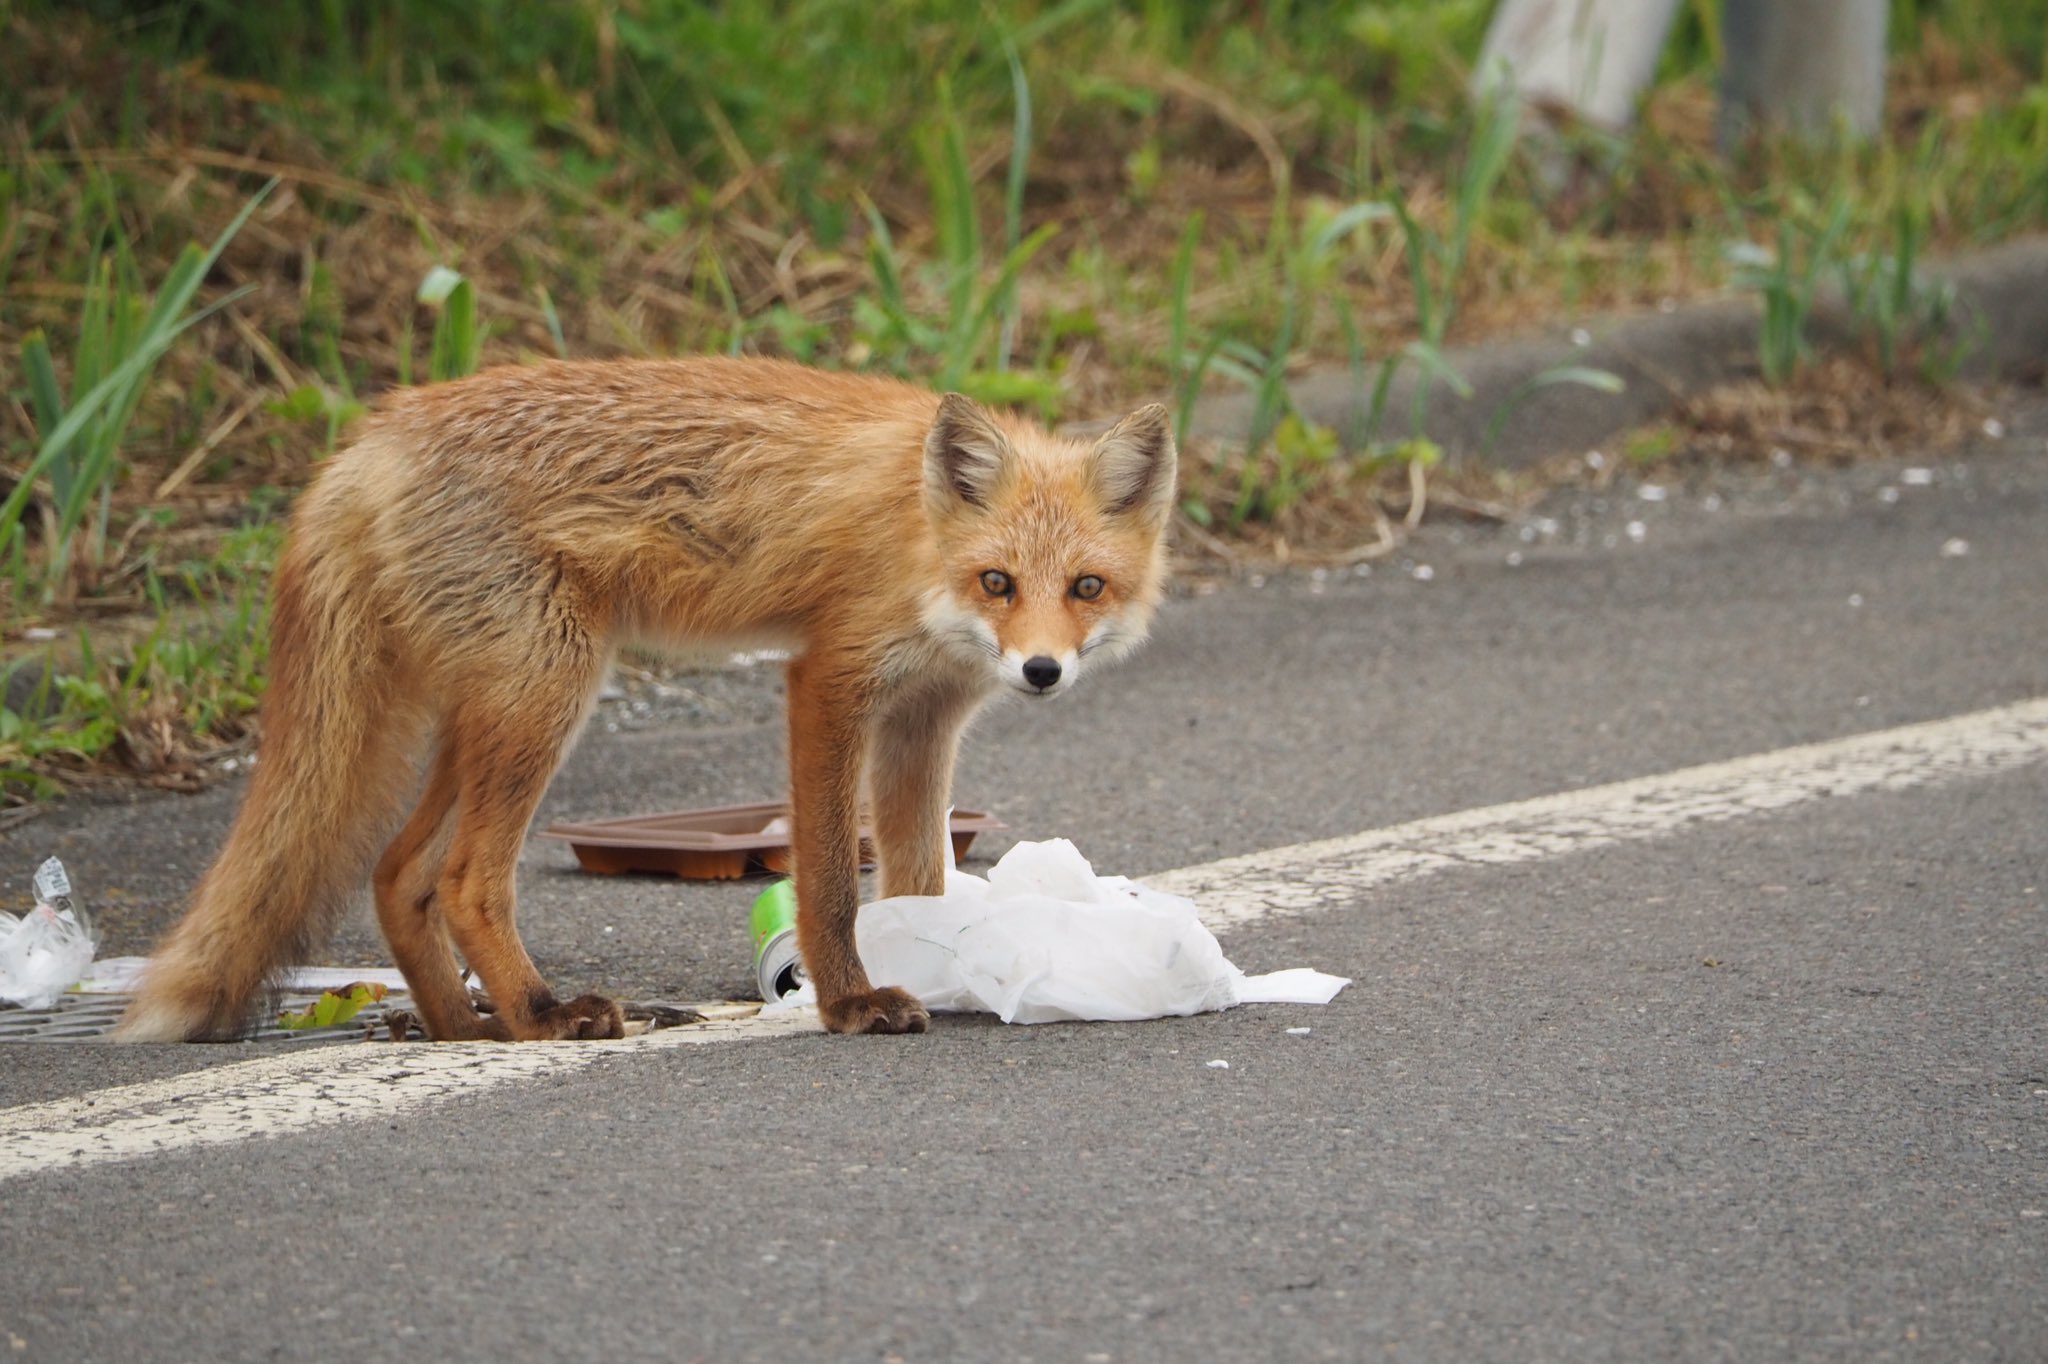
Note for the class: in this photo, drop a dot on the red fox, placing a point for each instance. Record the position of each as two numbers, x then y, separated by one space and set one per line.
456 582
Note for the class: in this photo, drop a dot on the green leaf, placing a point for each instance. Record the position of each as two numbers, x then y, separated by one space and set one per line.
333 1007
457 348
101 414
42 381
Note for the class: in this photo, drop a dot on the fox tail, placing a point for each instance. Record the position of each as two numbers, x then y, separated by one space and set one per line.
337 762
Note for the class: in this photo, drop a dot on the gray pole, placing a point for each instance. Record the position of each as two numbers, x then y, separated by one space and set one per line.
1800 66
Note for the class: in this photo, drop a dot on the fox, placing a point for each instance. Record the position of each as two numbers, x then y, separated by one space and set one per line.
456 582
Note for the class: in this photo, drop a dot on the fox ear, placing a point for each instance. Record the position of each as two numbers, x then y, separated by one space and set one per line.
1136 465
964 454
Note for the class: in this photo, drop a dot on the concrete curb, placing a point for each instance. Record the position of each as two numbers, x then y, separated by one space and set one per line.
1664 358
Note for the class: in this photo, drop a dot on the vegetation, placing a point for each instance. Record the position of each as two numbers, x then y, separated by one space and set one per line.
1062 204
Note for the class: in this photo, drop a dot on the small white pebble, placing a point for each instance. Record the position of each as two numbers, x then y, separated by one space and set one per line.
1297 1032
1781 457
1955 548
1581 337
39 633
1712 502
1514 558
1916 477
1637 532
1423 573
1219 1065
1887 494
1855 599
1652 492
1994 428
1595 460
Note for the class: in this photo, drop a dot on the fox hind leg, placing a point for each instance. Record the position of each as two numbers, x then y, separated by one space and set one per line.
509 736
408 909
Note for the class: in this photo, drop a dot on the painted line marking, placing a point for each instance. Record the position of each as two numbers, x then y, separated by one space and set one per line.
1303 878
277 1095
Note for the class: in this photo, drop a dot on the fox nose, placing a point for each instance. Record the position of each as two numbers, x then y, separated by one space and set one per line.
1041 672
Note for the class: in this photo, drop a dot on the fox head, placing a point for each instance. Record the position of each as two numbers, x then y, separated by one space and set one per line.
1053 551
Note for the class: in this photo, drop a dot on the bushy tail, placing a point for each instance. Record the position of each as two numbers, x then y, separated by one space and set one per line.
337 757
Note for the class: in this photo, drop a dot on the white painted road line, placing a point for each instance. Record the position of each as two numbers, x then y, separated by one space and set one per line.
309 1088
291 1093
1309 876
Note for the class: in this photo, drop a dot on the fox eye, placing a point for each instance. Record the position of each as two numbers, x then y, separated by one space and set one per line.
1088 588
996 583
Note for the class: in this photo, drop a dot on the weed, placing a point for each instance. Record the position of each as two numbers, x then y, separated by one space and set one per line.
1903 312
1436 259
1585 376
1788 280
458 344
1651 445
188 686
119 341
970 352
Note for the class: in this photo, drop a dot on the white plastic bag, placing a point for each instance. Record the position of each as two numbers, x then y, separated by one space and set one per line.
1045 940
44 952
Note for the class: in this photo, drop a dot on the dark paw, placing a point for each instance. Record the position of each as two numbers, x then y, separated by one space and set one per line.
584 1017
886 1010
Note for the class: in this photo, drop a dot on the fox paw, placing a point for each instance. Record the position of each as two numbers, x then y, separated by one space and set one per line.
885 1010
586 1016
468 1026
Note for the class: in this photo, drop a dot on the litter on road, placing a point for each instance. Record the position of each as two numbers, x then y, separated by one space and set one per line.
1044 939
46 949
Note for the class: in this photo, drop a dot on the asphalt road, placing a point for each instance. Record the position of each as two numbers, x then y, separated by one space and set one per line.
1770 1088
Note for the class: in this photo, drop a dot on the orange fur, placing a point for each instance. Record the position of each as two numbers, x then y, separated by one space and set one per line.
456 584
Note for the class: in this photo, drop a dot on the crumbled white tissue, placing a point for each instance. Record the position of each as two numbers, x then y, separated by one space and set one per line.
1046 940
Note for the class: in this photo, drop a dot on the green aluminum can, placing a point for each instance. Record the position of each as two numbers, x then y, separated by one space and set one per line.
778 968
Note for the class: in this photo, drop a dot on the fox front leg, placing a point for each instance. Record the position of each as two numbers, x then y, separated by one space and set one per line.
914 739
827 733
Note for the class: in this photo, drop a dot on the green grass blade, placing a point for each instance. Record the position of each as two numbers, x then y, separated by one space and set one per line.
1182 285
1013 195
959 356
456 346
46 400
55 443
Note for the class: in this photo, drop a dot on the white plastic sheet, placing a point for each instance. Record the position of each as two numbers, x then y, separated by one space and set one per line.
1044 940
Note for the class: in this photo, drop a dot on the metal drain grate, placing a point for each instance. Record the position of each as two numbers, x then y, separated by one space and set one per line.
89 1018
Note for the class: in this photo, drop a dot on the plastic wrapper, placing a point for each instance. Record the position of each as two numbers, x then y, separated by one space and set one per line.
46 951
1044 940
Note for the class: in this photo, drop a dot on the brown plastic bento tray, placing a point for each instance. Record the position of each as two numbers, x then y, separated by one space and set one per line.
715 844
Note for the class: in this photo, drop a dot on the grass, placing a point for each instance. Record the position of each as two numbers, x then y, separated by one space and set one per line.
162 705
119 339
1068 205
